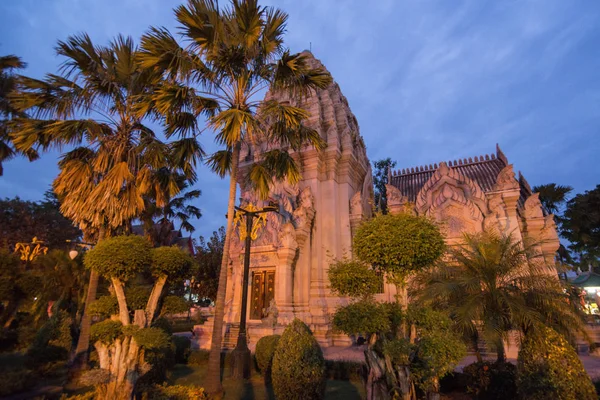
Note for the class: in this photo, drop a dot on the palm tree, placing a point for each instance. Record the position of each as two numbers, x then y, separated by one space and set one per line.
93 105
233 55
8 82
495 284
158 221
553 196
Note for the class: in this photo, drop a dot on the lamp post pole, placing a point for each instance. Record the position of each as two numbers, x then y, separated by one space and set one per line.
241 354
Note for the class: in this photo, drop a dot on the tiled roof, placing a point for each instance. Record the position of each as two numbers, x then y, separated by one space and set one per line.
484 170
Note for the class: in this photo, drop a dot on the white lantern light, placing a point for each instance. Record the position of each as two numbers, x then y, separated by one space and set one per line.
73 254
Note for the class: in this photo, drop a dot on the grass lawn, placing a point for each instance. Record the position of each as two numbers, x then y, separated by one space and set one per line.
255 388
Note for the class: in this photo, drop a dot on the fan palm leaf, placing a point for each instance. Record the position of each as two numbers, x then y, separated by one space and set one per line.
493 284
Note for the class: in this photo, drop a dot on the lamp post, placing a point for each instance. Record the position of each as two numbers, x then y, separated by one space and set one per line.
241 354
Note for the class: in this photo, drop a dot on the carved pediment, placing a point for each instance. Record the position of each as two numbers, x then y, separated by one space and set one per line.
533 207
506 179
459 188
455 201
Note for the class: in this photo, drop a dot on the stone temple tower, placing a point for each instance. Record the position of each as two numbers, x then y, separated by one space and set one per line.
292 253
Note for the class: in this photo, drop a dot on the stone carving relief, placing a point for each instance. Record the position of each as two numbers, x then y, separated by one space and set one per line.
394 196
533 207
506 179
368 196
463 190
304 213
454 200
495 220
287 236
356 207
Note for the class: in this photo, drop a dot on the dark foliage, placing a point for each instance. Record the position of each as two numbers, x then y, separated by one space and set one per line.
21 221
208 257
491 380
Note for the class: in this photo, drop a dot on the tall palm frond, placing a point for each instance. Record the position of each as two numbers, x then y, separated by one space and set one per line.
94 105
8 83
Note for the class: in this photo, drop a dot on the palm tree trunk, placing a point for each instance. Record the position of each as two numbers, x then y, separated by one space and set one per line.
500 351
213 381
80 357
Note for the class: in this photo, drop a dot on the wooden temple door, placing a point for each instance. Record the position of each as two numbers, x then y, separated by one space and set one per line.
263 291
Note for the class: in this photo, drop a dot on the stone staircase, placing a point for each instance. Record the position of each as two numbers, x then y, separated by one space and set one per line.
231 336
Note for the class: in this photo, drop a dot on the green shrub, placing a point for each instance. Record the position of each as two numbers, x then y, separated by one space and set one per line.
491 380
137 297
106 331
366 317
14 380
152 338
548 367
164 324
120 257
171 261
174 305
176 392
53 341
298 370
265 349
104 307
198 357
353 278
182 348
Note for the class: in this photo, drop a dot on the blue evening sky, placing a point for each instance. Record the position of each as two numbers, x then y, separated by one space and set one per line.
427 80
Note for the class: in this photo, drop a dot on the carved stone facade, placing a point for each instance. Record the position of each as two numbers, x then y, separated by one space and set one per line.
314 225
472 195
318 217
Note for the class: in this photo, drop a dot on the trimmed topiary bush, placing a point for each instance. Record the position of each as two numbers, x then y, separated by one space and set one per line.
548 368
298 371
120 257
265 349
106 331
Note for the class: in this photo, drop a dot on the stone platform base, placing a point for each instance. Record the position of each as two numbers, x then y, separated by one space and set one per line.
325 337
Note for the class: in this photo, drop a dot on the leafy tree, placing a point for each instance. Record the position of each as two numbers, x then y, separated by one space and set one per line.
548 367
8 83
380 179
116 159
394 360
22 220
233 54
394 363
208 257
581 225
399 245
500 283
120 259
354 279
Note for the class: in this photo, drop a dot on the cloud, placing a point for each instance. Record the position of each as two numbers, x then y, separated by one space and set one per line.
427 80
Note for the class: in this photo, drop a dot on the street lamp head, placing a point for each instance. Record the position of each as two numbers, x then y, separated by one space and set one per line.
73 254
